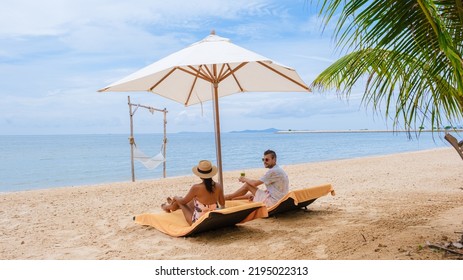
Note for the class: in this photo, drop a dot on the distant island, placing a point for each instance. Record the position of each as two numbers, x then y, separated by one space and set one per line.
268 130
296 131
360 131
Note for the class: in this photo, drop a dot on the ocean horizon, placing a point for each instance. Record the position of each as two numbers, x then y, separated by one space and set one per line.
48 161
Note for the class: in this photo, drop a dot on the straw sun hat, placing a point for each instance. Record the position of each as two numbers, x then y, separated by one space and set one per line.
204 169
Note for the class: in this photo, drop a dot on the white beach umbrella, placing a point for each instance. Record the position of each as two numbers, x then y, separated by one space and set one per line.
207 70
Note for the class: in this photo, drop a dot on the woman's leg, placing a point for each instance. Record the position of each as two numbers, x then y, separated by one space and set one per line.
170 207
187 210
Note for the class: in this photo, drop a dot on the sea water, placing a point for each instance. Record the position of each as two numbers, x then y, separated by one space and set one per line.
47 161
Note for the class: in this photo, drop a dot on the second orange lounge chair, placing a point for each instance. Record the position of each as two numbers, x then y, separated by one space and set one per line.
300 198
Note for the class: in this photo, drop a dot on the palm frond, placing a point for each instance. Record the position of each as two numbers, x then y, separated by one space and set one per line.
411 95
411 50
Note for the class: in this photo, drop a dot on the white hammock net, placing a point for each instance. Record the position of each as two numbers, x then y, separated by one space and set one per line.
148 162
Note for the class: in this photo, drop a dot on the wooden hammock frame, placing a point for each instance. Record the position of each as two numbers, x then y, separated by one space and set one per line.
131 138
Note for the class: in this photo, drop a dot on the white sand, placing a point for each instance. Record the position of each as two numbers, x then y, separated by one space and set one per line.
385 207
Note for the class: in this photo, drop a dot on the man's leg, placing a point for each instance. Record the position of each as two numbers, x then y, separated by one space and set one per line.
241 192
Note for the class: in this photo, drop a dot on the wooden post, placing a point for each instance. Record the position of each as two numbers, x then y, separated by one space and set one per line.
164 141
218 145
131 140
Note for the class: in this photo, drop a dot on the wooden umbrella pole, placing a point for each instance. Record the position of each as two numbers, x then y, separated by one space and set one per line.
131 140
165 142
218 145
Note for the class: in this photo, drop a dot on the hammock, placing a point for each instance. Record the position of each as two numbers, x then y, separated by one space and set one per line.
148 162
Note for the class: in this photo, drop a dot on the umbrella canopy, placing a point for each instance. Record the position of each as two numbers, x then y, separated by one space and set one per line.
208 70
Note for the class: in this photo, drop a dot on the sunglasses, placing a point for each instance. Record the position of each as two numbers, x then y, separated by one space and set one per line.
265 159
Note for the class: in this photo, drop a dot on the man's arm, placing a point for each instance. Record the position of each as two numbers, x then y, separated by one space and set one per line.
251 182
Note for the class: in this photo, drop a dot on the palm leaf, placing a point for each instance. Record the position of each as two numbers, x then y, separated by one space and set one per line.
411 52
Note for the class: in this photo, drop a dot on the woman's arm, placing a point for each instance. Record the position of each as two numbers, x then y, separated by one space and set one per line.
188 197
220 197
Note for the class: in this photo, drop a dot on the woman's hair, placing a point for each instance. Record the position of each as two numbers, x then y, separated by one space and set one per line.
210 184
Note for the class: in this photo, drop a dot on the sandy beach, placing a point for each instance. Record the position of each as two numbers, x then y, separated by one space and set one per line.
386 207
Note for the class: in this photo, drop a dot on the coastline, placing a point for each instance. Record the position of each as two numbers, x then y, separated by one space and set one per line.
366 131
386 207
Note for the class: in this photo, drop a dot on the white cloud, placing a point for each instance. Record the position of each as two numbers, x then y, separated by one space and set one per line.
53 63
54 17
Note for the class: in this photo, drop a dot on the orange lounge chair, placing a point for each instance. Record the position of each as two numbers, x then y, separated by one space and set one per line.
174 224
300 198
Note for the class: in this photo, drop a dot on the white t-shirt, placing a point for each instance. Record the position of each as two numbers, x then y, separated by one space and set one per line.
277 183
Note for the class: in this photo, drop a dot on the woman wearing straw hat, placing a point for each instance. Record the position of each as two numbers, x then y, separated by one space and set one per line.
201 198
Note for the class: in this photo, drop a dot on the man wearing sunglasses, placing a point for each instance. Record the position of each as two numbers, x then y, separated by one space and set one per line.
275 180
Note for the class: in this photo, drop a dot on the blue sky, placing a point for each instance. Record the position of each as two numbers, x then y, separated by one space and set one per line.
55 55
